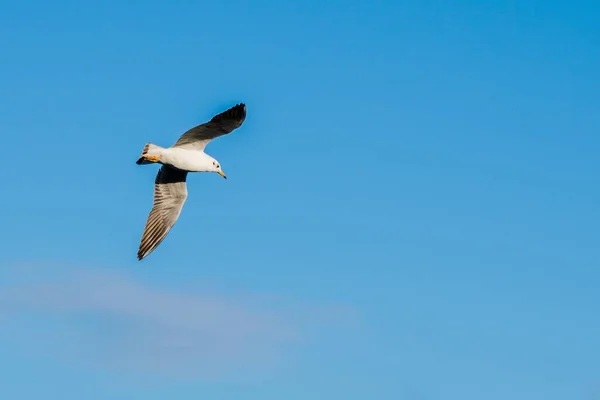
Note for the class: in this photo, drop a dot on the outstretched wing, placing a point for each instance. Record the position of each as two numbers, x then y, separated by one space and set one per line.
221 124
170 192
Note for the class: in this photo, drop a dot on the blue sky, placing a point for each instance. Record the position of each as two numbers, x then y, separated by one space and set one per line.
411 210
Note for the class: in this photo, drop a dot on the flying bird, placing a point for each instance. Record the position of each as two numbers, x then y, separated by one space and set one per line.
186 155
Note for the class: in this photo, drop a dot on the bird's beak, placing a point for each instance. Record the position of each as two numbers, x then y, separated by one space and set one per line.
222 174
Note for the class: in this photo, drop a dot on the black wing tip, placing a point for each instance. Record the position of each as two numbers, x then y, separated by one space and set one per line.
143 253
239 106
237 112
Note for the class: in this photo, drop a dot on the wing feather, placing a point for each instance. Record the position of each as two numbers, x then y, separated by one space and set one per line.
170 193
221 124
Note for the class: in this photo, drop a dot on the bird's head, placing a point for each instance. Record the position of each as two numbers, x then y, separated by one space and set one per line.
216 167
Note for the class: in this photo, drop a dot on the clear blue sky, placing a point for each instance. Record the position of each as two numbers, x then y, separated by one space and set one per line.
411 210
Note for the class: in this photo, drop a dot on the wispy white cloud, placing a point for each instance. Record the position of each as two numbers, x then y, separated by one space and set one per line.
118 321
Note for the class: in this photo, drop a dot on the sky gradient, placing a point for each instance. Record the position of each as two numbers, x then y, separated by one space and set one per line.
411 210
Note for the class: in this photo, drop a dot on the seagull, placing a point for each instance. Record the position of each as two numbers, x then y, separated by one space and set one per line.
186 155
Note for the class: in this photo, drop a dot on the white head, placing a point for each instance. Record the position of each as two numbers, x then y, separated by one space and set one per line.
216 167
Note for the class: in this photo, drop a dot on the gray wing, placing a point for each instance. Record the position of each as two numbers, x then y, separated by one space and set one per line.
221 124
170 192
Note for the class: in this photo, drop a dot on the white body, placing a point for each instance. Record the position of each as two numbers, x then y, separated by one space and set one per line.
184 159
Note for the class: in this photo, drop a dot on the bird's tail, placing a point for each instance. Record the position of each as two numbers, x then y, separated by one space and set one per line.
150 154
